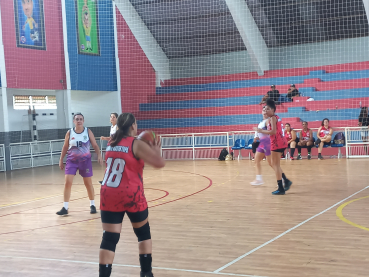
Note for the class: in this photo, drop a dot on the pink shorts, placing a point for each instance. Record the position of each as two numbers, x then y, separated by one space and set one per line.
264 147
84 167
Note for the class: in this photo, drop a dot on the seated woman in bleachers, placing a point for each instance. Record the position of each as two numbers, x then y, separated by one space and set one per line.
292 139
306 140
324 135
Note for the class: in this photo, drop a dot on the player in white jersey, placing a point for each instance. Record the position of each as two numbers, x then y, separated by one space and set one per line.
263 149
77 146
113 128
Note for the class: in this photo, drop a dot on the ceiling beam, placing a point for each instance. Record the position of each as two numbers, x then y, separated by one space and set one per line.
148 43
366 6
251 36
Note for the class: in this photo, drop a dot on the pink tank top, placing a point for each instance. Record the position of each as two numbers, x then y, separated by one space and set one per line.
288 135
305 135
324 131
278 140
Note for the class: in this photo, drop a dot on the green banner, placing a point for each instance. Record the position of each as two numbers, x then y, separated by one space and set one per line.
87 27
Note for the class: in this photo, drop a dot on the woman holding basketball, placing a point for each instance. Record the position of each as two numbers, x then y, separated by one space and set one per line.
122 193
77 145
113 128
278 145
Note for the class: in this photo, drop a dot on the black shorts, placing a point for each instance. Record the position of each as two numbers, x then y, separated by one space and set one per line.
280 150
327 143
117 217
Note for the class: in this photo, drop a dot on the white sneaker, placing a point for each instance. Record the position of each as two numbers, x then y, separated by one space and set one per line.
256 183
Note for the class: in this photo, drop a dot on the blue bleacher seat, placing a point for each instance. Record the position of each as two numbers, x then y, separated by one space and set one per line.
238 145
249 144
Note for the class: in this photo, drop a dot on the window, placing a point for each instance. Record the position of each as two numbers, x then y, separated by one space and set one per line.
24 102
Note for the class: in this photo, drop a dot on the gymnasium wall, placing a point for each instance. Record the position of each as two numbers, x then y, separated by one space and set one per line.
18 119
298 56
34 69
92 73
137 75
96 106
1 113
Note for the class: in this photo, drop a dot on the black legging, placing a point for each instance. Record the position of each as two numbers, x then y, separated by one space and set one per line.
254 146
308 148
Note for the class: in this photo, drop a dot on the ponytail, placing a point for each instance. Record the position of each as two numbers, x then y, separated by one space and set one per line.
124 123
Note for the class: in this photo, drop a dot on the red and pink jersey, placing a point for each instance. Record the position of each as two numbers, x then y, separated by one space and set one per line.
324 131
278 140
305 135
288 135
122 187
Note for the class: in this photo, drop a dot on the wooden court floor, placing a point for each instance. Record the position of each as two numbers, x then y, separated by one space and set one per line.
206 220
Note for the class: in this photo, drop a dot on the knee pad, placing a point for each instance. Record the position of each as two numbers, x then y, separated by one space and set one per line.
109 241
143 233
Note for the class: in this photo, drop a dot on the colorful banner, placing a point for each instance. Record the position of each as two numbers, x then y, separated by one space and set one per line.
30 24
87 27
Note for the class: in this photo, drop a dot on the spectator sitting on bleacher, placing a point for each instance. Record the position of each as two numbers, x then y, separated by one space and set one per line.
292 139
324 135
272 94
292 92
306 140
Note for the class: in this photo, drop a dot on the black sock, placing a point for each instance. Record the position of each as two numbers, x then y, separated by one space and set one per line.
309 149
292 151
280 185
104 270
145 262
284 177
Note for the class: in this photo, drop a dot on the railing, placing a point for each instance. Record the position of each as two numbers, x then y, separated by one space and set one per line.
208 145
357 142
174 147
2 158
41 153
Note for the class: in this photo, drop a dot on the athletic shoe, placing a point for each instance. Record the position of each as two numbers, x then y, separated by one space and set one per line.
292 158
277 192
283 157
309 157
93 210
146 274
253 159
264 159
256 183
287 185
320 157
63 211
299 157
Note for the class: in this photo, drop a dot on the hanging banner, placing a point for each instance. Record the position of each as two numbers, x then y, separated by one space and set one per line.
30 24
87 27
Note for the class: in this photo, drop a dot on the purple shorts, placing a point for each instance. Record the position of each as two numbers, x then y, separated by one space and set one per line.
264 147
85 168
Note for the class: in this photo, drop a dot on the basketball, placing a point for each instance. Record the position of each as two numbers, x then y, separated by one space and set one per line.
147 136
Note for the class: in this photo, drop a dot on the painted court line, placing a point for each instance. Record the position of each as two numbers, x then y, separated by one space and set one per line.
132 266
34 200
284 233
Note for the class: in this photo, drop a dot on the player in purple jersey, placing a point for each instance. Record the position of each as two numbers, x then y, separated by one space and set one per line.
77 146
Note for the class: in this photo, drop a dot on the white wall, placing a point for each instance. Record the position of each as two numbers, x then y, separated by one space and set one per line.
95 106
317 54
211 65
1 113
18 119
305 55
